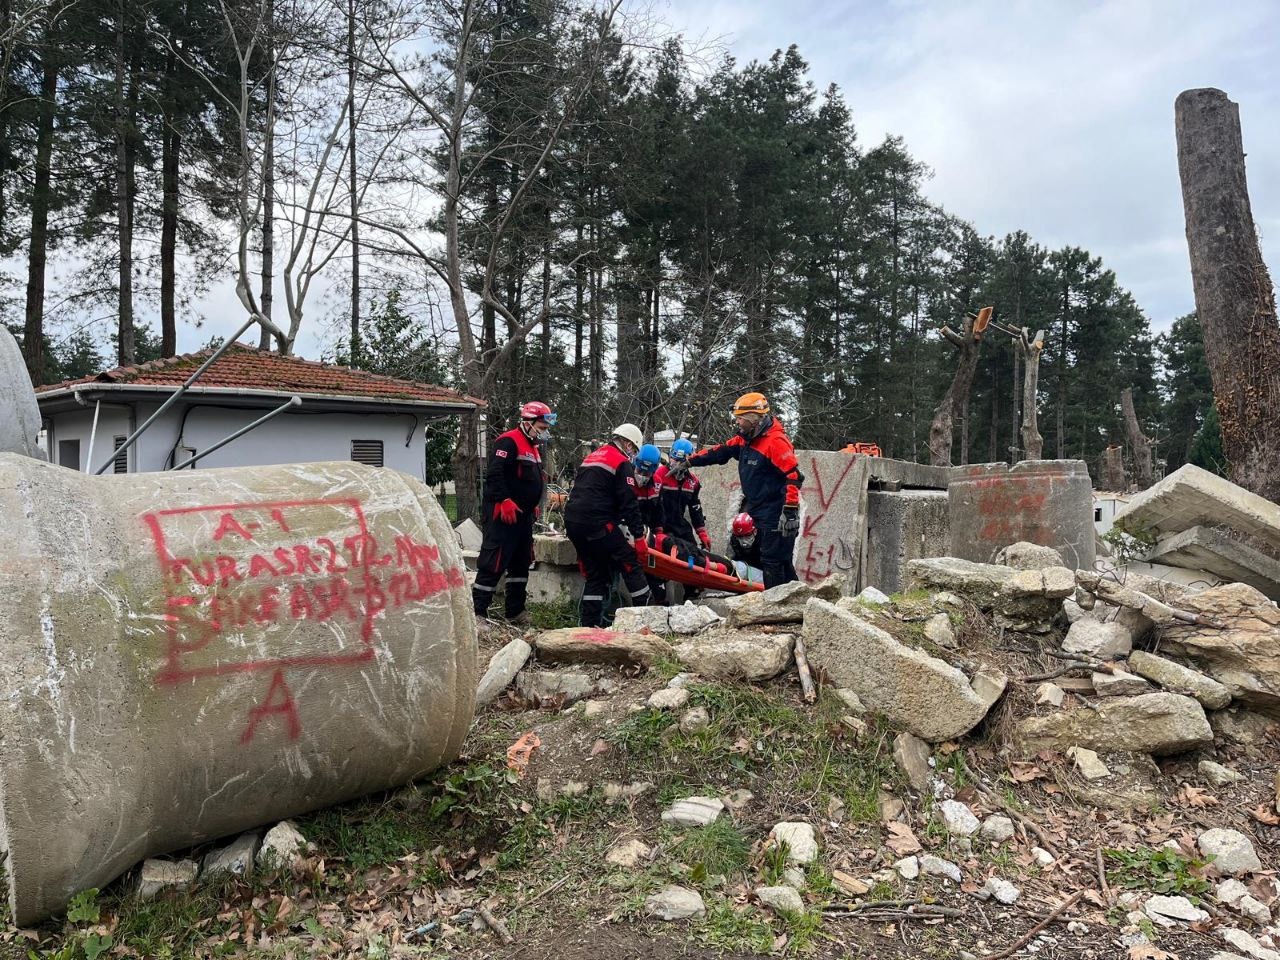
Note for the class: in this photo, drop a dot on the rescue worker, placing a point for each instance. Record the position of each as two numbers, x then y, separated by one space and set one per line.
601 504
513 488
682 501
770 478
744 540
647 465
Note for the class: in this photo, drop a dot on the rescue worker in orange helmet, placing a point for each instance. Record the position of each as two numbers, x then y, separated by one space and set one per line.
513 488
770 478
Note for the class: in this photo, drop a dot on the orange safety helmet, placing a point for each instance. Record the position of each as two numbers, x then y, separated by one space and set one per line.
751 403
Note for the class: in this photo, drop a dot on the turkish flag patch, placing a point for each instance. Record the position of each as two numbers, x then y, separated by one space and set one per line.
500 453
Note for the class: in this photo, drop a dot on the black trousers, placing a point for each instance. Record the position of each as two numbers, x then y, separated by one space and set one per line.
776 554
507 548
602 553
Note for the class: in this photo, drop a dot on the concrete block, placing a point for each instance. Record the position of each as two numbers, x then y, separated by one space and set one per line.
1202 548
1047 502
549 583
1192 497
212 650
557 550
19 413
469 535
908 525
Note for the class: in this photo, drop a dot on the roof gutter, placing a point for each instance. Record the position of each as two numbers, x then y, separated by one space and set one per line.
91 389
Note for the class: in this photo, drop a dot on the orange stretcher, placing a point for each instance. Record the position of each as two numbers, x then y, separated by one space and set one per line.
709 572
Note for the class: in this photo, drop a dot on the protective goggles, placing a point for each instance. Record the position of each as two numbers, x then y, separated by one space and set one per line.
548 418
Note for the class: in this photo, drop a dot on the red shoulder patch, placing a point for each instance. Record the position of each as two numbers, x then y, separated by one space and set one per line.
499 453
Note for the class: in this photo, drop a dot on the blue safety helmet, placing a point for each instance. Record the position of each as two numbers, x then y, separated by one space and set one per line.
647 459
682 449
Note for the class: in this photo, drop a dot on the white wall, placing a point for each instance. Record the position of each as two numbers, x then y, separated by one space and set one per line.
289 438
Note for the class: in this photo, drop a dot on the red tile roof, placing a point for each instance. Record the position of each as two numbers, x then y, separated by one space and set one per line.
250 370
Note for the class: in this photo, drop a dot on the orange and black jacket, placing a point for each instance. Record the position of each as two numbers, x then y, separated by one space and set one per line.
604 493
767 469
515 472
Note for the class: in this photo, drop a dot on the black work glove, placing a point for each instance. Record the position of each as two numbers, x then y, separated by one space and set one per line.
789 522
677 469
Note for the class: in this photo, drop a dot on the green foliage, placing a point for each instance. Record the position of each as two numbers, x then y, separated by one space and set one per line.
1159 870
1129 542
728 929
83 907
553 616
720 849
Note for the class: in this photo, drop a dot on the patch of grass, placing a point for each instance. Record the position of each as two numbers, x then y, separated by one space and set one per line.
725 928
642 735
882 890
774 864
553 616
166 926
803 931
666 668
720 849
1159 870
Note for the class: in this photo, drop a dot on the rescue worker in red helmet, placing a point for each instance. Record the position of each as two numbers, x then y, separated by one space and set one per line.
601 504
513 488
744 540
770 478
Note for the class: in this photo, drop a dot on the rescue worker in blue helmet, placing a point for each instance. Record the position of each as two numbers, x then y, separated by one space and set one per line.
682 500
771 480
647 466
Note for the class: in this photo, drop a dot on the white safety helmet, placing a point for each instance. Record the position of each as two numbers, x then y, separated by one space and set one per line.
630 432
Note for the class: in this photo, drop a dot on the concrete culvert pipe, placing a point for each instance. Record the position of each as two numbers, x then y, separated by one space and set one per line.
187 655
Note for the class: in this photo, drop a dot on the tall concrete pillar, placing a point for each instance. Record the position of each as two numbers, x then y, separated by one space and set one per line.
186 655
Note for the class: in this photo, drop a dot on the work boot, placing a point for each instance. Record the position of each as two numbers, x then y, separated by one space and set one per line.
521 619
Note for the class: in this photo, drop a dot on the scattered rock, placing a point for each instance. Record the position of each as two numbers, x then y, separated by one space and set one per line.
1032 596
1050 694
849 885
1078 928
855 725
794 877
1119 683
956 817
235 859
1230 890
738 799
1173 908
781 604
613 792
891 808
734 655
1180 679
937 867
1088 763
802 845
594 708
693 812
850 699
1248 945
687 618
908 867
1028 556
469 535
911 754
1155 723
997 828
925 695
1231 851
503 667
627 853
1042 857
782 899
538 686
675 903
948 599
282 846
1254 909
1105 641
681 680
156 876
668 699
873 597
1131 785
1217 775
1001 890
574 788
695 720
595 645
937 630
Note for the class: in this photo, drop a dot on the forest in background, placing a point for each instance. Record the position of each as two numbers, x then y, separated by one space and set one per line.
547 199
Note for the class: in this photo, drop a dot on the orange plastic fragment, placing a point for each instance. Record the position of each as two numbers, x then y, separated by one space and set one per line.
520 752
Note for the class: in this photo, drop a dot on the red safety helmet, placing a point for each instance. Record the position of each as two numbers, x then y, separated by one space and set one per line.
743 525
536 410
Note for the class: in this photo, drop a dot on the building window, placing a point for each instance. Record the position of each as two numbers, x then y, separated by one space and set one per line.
69 454
1097 514
121 464
368 452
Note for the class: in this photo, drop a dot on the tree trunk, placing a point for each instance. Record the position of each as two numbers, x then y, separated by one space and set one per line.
38 247
267 274
1032 442
1061 366
1139 444
1234 297
1014 412
171 145
955 402
1112 479
355 203
125 350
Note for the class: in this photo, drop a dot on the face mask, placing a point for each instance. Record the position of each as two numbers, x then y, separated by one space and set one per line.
747 541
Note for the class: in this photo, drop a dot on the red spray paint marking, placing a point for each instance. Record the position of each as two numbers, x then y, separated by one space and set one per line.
237 576
597 635
825 499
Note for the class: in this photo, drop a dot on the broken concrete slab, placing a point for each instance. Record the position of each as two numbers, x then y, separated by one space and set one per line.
922 694
903 525
1026 595
1192 497
1028 556
558 550
1177 678
235 859
1119 683
596 645
1103 640
1203 548
685 619
157 876
1155 723
19 412
781 604
470 535
537 686
503 667
737 655
1243 656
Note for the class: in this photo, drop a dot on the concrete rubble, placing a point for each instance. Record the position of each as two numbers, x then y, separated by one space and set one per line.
687 618
724 654
503 667
597 646
1155 723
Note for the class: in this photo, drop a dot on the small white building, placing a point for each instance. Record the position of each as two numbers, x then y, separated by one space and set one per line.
344 414
1105 507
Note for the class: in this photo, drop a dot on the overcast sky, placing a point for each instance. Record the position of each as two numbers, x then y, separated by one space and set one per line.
1052 117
